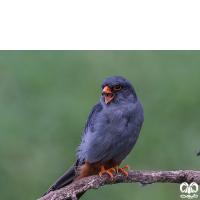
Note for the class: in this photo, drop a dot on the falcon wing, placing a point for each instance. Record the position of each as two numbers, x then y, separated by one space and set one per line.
89 128
92 117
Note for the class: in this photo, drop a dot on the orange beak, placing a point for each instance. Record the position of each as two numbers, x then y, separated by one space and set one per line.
108 94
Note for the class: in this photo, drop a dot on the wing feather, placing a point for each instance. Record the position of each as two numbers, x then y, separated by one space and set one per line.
92 117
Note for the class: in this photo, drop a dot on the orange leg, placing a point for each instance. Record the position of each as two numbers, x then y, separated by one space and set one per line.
122 169
116 168
103 171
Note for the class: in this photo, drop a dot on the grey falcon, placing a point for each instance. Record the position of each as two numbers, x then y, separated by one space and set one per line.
111 131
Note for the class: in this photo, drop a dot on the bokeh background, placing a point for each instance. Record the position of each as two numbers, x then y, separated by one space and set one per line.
46 96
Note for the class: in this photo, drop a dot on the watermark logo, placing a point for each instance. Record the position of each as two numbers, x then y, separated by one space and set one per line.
189 189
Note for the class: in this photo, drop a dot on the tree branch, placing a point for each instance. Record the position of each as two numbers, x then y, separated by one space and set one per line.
145 177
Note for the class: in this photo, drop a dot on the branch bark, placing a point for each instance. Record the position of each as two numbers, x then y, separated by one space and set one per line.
145 177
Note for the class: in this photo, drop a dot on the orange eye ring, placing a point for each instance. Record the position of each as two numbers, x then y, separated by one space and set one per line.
117 87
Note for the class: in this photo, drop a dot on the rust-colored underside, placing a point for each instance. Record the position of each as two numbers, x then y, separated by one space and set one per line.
89 169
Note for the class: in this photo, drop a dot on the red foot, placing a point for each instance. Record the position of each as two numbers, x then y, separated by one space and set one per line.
103 171
122 169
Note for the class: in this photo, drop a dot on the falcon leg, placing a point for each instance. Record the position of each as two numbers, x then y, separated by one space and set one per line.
108 171
123 171
116 168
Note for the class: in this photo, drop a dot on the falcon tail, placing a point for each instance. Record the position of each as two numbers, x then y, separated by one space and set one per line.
64 180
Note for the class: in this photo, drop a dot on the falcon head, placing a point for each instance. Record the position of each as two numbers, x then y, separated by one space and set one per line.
117 89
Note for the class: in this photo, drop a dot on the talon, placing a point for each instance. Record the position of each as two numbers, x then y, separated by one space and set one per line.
126 167
112 169
123 171
116 168
103 171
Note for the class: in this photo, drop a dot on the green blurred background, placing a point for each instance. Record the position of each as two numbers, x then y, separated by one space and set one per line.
46 96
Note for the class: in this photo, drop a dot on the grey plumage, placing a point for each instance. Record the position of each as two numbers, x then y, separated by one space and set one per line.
111 129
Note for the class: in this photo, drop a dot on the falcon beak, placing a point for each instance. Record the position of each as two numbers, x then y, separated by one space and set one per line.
108 94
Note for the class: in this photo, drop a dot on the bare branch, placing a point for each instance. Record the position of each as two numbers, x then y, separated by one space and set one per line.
145 177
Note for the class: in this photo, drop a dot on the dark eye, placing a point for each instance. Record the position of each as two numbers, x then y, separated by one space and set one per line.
117 87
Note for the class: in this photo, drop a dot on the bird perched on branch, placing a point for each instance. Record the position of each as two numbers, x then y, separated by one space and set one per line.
110 133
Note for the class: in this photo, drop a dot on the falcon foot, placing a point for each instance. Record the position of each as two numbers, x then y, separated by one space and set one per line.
123 171
108 171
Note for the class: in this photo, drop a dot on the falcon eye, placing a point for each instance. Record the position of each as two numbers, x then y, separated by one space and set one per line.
117 87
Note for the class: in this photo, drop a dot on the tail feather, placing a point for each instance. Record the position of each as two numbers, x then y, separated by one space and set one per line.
64 180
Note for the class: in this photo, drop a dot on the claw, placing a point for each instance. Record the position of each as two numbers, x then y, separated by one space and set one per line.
123 171
126 167
116 168
103 171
